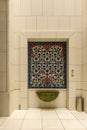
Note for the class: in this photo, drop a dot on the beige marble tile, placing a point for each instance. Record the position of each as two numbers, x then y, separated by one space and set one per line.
36 7
76 23
52 23
64 23
31 24
58 7
69 7
20 24
65 116
10 124
72 124
41 23
17 7
52 124
31 124
25 6
48 7
78 7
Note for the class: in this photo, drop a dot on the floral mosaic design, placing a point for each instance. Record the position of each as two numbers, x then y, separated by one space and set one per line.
47 64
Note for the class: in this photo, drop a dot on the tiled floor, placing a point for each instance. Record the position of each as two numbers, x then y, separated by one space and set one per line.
44 119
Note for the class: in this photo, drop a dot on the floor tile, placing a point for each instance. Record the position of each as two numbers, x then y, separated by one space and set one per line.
72 125
49 115
62 110
32 129
65 115
48 110
79 115
9 129
2 120
44 119
20 111
12 124
31 110
53 128
84 122
33 116
18 114
31 124
51 124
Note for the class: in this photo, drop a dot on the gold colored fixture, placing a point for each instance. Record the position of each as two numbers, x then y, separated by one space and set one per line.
72 73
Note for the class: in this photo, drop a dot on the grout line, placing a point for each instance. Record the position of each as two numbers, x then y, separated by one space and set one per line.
60 120
21 124
41 120
78 119
3 122
23 120
74 115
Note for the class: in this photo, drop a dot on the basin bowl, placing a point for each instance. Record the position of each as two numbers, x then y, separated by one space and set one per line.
47 95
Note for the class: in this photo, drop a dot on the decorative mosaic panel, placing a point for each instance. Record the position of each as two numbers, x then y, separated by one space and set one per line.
46 64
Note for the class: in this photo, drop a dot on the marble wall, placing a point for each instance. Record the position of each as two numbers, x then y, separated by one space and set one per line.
84 56
64 19
4 102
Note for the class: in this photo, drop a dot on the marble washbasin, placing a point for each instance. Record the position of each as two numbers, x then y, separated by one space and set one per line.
47 95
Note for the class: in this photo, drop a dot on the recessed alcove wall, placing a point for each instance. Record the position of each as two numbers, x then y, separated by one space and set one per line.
67 96
43 19
65 18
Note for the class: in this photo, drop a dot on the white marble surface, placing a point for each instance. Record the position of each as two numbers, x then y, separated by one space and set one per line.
44 119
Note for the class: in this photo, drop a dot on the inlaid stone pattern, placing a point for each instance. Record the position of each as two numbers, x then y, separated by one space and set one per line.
46 64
